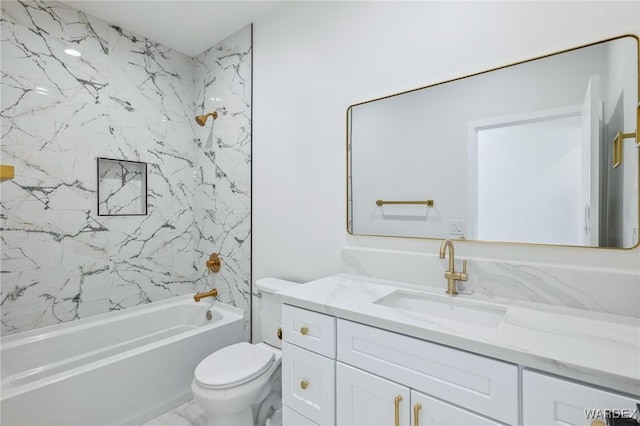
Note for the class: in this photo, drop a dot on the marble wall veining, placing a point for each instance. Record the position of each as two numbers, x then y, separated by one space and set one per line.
594 289
127 98
222 167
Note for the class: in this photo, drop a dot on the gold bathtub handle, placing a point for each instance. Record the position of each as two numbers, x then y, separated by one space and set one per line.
214 263
396 402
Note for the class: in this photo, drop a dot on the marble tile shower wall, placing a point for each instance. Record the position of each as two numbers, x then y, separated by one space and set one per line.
222 162
126 97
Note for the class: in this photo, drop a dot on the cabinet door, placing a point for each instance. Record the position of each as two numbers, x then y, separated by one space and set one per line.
427 411
308 384
549 401
366 400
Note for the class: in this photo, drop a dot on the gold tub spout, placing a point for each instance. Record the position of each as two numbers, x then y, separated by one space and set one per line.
199 296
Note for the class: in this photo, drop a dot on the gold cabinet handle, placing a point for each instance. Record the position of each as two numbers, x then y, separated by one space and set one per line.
304 384
416 414
396 402
279 333
304 331
597 423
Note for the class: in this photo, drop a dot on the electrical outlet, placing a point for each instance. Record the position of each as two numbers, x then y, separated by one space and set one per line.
456 227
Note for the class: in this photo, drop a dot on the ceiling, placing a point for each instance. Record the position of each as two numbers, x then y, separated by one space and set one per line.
187 26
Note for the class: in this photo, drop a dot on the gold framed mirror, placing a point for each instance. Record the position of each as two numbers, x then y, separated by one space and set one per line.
522 153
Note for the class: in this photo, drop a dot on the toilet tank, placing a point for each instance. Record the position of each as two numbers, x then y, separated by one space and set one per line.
269 312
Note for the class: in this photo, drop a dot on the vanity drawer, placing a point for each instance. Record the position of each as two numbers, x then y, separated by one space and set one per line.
484 385
309 330
291 418
308 383
551 401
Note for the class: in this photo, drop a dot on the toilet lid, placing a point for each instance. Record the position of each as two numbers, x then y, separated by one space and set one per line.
233 365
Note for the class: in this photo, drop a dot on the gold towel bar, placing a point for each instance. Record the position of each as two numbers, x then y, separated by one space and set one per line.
617 141
618 148
426 202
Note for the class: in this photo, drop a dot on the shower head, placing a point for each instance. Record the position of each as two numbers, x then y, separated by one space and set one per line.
202 119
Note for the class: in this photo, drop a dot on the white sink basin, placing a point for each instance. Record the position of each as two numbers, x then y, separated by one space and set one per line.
446 308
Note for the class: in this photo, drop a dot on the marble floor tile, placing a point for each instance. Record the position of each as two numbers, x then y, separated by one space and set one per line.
188 414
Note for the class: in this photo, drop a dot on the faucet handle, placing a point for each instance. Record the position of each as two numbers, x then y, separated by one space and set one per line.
214 263
463 275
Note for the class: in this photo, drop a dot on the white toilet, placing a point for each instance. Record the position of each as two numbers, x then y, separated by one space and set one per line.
240 385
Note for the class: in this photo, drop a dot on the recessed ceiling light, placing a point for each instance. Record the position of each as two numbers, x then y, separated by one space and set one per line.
72 52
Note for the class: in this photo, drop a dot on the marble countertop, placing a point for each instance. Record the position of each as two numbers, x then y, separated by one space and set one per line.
592 347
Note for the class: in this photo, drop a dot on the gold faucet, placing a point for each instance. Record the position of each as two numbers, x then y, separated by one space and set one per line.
199 296
451 275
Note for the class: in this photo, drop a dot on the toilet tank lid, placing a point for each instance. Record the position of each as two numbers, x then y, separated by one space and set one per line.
271 285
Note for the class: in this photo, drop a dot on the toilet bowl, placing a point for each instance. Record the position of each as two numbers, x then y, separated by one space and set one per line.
229 383
239 385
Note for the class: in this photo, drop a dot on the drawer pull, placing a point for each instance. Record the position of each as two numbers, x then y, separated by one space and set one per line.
304 331
597 423
416 414
396 402
279 333
304 384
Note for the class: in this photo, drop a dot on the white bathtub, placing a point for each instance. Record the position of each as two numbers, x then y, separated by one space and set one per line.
121 368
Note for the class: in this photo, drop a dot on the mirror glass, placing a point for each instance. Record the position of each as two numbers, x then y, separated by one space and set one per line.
522 153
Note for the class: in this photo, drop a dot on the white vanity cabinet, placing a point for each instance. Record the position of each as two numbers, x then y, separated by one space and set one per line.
308 367
364 399
549 401
339 372
479 384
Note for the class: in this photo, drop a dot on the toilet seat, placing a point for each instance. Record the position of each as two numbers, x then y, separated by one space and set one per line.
233 366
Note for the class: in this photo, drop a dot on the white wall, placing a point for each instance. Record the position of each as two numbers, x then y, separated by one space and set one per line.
313 60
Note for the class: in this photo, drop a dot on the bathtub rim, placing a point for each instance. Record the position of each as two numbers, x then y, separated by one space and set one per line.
111 316
230 314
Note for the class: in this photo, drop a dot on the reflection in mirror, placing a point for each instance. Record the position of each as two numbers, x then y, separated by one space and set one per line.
523 153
